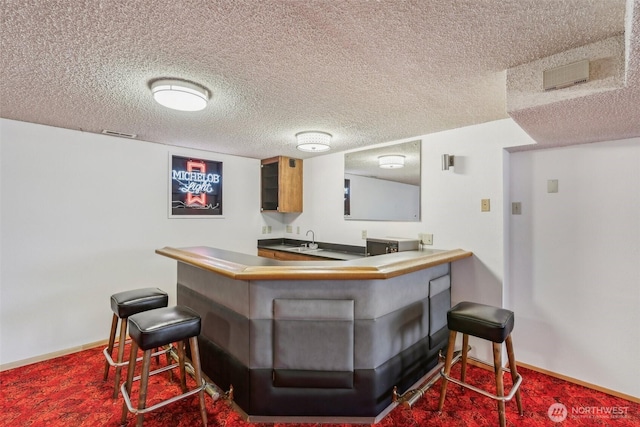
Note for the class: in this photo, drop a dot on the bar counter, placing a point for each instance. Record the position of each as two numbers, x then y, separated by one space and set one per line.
247 267
316 340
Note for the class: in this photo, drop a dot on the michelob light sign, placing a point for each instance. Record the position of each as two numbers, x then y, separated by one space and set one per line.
196 187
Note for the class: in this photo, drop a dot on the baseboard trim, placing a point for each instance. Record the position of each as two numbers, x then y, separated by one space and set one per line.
564 378
53 355
581 383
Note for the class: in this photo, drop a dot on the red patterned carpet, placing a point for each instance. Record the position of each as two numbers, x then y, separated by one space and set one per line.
69 391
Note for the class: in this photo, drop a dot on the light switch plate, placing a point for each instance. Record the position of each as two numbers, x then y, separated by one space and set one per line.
516 208
289 229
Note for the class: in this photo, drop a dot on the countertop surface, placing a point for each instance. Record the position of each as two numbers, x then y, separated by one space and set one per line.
251 267
320 252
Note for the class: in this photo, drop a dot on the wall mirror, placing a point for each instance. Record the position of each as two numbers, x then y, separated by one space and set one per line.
376 193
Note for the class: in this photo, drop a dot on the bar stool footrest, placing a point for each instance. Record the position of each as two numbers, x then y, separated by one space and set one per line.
123 390
126 362
160 404
506 398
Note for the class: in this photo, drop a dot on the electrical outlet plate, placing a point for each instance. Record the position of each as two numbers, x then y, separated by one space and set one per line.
289 229
298 230
364 234
264 229
485 205
426 238
268 229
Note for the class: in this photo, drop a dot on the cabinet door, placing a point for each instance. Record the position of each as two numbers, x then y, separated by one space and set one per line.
290 191
266 253
287 256
270 180
281 185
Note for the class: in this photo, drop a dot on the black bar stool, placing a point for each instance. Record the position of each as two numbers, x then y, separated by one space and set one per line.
125 304
489 323
157 328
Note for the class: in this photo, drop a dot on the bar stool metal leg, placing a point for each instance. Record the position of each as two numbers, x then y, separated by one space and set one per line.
121 343
497 368
183 374
112 340
195 358
514 371
144 384
465 352
129 383
447 368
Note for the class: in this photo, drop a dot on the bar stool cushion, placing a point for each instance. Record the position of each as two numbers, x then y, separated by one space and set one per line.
128 303
155 328
480 320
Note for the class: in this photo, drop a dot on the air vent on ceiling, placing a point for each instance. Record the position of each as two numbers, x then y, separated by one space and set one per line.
120 134
567 75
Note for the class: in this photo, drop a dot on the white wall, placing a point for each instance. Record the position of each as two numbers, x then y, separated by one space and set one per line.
575 262
80 218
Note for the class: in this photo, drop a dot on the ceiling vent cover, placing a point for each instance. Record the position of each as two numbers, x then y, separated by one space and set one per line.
120 134
567 75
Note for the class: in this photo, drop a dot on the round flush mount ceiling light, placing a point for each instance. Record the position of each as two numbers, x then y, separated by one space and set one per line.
313 141
391 162
179 95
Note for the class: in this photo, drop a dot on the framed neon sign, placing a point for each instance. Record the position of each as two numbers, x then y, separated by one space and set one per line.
195 187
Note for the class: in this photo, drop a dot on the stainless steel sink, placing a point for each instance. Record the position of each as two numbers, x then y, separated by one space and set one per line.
303 249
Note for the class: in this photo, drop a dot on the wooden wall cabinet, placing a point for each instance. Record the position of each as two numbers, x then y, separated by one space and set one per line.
281 185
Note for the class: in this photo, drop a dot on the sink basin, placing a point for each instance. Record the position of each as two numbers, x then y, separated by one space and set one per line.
302 249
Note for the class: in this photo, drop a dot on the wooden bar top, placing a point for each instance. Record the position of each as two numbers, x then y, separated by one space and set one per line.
250 267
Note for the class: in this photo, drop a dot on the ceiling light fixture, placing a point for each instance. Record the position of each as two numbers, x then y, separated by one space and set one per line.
179 95
313 141
391 162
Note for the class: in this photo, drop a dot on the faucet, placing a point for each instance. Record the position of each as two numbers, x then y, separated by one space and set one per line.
313 244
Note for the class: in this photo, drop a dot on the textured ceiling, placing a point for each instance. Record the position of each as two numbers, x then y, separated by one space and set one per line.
365 71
